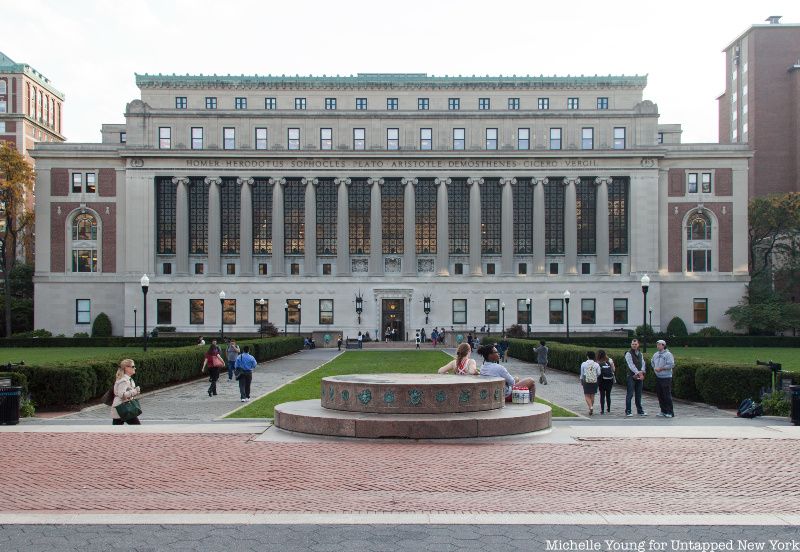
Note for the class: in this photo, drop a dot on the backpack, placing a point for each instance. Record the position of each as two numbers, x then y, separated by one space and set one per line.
606 372
749 409
590 375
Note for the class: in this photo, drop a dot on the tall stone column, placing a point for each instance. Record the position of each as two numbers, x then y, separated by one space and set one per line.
442 228
539 224
343 228
570 227
601 230
476 268
214 226
507 225
181 225
245 227
409 227
310 260
278 262
375 228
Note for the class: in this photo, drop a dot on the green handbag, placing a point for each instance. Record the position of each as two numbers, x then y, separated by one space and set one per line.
129 410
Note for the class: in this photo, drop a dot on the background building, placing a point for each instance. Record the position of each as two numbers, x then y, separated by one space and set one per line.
761 104
389 192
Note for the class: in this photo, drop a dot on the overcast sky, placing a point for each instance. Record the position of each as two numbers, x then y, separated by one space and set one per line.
90 50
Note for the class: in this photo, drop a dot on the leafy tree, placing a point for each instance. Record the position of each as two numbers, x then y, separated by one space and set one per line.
101 327
774 231
677 327
16 186
764 310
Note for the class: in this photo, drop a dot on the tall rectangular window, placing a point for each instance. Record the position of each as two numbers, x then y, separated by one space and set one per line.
423 104
543 103
197 137
361 104
700 311
588 311
458 139
294 209
91 183
556 311
84 260
359 139
573 103
181 102
620 311
425 138
602 103
327 204
230 206
164 311
698 260
692 183
392 209
270 103
619 138
240 103
491 138
586 216
459 311
164 137
261 138
706 183
554 218
359 217
523 216
83 311
330 103
260 311
524 314
458 216
77 183
453 104
513 104
123 137
229 311
392 138
211 102
587 138
491 217
299 103
425 219
492 311
228 138
197 311
326 138
391 104
198 216
262 217
326 311
523 138
660 138
618 216
294 138
555 138
166 193
484 104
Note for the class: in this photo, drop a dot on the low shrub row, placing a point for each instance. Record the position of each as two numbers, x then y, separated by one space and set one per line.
160 342
688 341
77 382
722 385
17 380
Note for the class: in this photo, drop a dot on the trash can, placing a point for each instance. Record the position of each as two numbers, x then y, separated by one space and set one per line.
9 405
795 393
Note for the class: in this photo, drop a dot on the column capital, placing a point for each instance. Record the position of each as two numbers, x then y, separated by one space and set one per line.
242 181
342 180
445 181
277 181
475 180
213 180
312 181
180 180
378 181
603 180
539 180
504 181
571 180
413 181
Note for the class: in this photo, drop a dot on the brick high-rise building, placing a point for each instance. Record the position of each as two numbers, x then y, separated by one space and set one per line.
761 104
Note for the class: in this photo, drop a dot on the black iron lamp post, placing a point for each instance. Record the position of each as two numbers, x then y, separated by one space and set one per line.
503 319
261 304
299 319
645 287
650 312
221 317
134 322
359 306
286 317
566 308
426 306
145 282
528 307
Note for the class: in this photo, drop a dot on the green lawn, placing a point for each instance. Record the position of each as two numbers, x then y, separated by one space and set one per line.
361 362
788 357
50 355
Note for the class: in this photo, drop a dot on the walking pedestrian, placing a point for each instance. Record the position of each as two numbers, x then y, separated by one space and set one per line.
541 358
590 372
213 361
246 363
607 371
339 342
422 335
417 339
663 362
232 352
434 336
388 333
124 390
636 372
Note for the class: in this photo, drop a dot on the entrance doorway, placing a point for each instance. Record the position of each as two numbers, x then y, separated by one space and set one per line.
392 317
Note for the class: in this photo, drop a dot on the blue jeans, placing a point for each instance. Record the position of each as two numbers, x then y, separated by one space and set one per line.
230 369
634 386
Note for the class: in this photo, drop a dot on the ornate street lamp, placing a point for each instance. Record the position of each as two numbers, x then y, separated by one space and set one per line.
359 306
645 287
503 320
528 307
566 308
261 304
299 319
426 306
221 317
285 317
145 282
650 312
134 322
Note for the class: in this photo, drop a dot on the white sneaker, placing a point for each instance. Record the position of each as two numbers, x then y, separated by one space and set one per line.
244 400
661 414
669 415
643 414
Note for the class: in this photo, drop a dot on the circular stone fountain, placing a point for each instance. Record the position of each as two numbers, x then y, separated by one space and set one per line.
416 406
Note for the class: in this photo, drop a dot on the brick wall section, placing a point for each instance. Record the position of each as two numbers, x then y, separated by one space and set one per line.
59 182
724 260
11 126
58 238
107 184
677 183
724 184
109 234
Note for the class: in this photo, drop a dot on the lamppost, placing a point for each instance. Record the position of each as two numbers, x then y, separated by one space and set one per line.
650 312
359 306
145 282
528 307
503 319
426 306
134 322
261 304
286 316
645 287
566 308
221 317
299 319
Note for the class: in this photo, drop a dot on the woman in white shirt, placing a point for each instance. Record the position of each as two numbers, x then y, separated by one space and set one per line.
124 390
590 373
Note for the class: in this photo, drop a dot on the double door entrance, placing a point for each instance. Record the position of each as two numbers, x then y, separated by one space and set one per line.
392 319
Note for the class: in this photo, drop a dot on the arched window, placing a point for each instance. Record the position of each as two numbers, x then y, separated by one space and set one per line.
84 243
698 243
3 87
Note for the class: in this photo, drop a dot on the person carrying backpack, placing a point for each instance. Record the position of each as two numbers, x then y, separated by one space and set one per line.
606 381
590 372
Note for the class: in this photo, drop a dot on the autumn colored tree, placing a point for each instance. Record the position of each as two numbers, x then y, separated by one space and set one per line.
16 185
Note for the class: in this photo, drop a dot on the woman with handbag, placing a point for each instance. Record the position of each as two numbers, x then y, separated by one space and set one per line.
125 408
214 362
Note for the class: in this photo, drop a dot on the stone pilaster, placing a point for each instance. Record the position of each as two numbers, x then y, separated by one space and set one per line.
245 226
343 228
507 225
442 228
375 228
570 226
310 259
663 231
181 225
278 262
475 266
409 227
601 230
538 224
214 226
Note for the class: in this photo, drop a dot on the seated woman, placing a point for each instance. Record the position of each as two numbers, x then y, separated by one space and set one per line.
462 364
491 368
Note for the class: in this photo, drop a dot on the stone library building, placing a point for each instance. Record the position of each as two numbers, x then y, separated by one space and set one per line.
375 202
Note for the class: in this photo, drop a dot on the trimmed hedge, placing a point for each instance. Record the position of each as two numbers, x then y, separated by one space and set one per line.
722 385
159 342
675 342
75 383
